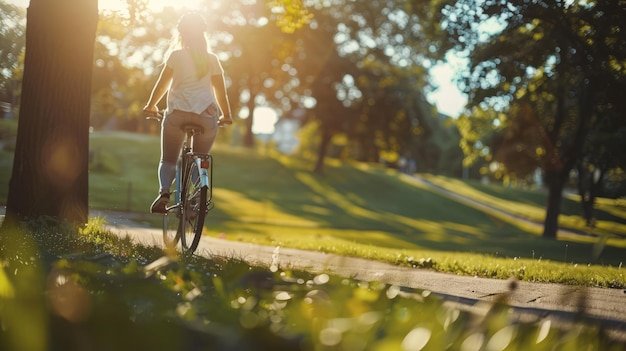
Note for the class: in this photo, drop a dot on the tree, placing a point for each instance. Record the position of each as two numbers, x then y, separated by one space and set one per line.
12 29
363 63
258 44
560 60
49 176
256 66
320 68
603 162
127 54
516 146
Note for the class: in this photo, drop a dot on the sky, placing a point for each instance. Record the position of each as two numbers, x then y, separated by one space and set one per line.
447 98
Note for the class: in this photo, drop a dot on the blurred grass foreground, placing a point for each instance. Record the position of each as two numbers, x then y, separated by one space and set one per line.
87 289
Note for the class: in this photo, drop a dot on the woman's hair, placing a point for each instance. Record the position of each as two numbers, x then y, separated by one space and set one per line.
191 35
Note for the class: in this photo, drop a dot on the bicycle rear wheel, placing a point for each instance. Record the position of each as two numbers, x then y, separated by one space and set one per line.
194 209
172 226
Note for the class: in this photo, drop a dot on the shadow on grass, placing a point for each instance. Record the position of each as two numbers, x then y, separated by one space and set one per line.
538 198
369 207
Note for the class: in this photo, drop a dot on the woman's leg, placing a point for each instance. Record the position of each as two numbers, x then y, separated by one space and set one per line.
171 142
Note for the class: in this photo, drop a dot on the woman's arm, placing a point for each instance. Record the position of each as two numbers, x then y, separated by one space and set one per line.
160 88
219 86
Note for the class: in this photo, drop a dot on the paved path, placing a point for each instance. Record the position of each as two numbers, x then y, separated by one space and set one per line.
529 301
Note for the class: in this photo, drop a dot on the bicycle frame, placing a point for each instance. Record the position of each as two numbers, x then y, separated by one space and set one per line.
204 168
193 196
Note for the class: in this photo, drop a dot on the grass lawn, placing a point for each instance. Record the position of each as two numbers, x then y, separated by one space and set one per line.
367 211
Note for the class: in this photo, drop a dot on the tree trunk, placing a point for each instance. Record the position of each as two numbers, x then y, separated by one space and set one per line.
323 149
560 162
50 167
553 208
248 137
588 191
585 183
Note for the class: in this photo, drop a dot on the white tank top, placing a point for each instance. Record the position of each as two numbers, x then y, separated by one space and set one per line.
188 93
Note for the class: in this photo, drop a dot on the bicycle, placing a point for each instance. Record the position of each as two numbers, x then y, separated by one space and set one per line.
184 220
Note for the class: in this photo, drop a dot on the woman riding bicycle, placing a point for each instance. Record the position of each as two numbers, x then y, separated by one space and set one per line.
193 79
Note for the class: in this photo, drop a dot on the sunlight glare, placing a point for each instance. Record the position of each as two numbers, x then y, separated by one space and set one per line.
265 119
152 5
120 5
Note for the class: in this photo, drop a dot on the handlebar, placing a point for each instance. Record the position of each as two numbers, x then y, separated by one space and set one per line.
158 116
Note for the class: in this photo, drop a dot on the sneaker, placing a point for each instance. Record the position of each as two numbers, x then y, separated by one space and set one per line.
159 205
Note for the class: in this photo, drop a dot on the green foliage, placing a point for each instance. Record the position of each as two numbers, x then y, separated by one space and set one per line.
12 43
290 15
86 288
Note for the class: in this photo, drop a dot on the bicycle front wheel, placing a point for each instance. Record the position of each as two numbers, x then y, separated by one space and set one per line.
172 226
194 209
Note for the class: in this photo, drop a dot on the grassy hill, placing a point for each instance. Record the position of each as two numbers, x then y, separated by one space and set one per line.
365 210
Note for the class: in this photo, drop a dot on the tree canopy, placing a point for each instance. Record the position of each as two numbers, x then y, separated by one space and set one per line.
543 75
12 41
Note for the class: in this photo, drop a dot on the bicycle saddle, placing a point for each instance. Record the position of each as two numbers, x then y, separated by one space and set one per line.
187 128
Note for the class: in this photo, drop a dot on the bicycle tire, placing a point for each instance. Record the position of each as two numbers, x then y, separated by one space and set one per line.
172 227
194 209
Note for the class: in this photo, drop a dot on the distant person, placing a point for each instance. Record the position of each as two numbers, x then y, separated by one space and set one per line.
193 79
